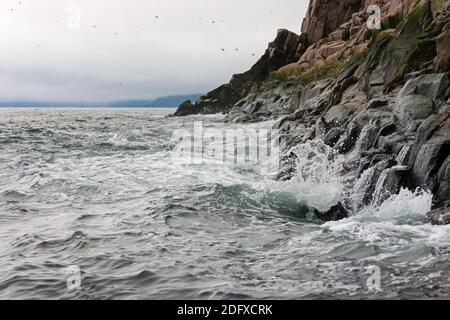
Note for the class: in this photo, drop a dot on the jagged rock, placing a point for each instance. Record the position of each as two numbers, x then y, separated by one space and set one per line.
389 183
432 86
369 159
218 100
426 163
186 108
269 104
413 107
425 129
324 17
321 128
337 212
372 179
443 189
314 97
363 166
369 136
348 140
391 142
332 137
404 156
440 216
431 156
376 103
288 167
443 50
340 115
387 130
380 117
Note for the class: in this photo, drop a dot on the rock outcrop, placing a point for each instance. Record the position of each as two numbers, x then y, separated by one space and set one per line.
382 96
325 17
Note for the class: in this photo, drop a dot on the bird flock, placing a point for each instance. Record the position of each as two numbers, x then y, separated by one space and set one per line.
158 17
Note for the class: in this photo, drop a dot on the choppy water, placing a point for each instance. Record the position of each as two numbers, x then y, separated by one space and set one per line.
95 189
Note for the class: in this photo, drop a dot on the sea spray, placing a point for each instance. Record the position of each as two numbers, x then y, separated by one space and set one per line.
140 226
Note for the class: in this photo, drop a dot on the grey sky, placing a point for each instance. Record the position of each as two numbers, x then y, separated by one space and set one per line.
121 50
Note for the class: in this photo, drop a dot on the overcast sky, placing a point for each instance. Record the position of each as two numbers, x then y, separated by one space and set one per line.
103 50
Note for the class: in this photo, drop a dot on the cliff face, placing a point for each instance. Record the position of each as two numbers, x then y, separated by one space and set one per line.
378 98
325 17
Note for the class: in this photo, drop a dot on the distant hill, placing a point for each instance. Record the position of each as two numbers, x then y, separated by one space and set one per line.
162 102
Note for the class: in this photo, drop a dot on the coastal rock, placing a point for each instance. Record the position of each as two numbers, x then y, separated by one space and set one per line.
389 183
413 107
376 100
425 130
219 100
431 157
440 216
443 50
324 17
260 106
443 189
332 137
373 178
432 86
337 212
348 140
186 108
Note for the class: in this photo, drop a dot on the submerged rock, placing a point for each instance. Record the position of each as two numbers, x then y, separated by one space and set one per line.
337 212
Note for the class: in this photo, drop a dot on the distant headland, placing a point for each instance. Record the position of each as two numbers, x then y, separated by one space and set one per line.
160 102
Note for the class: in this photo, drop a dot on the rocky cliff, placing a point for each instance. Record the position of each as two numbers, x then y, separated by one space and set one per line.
378 98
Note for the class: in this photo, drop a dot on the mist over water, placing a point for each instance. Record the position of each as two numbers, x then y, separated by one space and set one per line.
97 189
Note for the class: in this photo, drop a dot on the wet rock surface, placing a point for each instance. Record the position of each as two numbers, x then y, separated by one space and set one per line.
336 212
440 216
380 99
